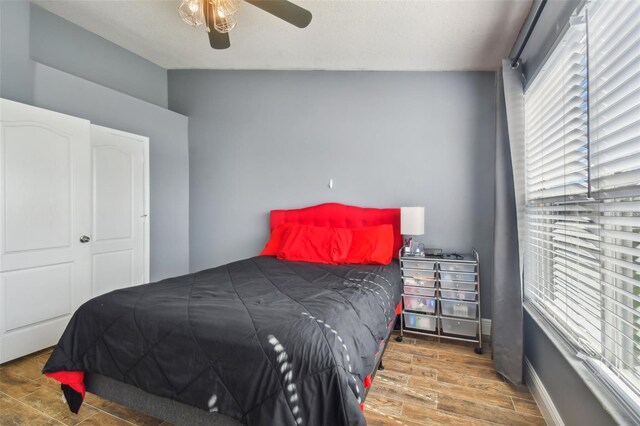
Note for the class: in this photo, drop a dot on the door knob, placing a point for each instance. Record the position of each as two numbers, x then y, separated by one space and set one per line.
85 239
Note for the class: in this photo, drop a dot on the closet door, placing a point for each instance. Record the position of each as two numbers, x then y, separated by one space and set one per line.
45 220
120 205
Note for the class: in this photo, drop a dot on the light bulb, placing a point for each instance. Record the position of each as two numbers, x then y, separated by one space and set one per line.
194 6
221 11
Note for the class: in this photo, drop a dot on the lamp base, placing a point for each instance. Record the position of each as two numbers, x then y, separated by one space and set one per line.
407 244
413 248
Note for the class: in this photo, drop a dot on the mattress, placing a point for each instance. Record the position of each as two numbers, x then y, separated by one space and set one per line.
261 340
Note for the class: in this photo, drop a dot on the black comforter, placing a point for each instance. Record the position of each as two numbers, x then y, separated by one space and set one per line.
261 340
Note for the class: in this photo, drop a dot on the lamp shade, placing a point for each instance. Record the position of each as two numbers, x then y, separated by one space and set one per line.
412 220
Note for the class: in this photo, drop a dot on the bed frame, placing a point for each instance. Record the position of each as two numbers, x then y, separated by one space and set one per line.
144 402
329 214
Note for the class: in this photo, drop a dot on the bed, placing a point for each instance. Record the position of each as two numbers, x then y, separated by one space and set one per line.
258 341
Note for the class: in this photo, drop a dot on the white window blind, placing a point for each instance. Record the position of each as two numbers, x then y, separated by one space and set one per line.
556 105
582 137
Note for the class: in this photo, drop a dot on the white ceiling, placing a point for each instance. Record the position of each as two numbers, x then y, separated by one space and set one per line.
427 35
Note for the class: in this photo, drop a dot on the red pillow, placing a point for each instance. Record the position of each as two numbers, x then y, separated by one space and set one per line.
318 244
275 240
371 244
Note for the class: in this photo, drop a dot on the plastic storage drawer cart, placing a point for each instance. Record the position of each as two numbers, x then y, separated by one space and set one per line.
441 297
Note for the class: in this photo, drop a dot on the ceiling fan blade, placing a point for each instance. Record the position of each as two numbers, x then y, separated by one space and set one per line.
219 41
285 10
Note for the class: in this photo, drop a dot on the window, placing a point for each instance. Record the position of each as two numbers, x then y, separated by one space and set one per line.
582 213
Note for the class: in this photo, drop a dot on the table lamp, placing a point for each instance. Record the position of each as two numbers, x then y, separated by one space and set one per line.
411 224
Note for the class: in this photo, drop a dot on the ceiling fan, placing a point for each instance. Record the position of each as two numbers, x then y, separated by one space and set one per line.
218 16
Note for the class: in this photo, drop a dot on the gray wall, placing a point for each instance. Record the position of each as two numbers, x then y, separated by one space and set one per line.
575 403
16 67
262 140
67 47
28 81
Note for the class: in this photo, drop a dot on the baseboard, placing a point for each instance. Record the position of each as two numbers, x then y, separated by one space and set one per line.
542 397
486 327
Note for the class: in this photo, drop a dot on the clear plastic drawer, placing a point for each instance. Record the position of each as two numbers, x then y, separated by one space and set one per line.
457 276
421 283
456 308
419 274
416 264
420 291
458 267
420 322
457 285
458 295
459 326
420 304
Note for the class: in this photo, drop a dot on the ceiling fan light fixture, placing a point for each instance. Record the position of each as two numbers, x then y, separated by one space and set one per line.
218 18
222 14
224 24
225 8
191 12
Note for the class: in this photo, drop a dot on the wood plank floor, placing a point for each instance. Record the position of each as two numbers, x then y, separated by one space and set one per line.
424 382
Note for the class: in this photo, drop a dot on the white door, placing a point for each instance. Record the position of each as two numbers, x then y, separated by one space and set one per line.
45 209
120 209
